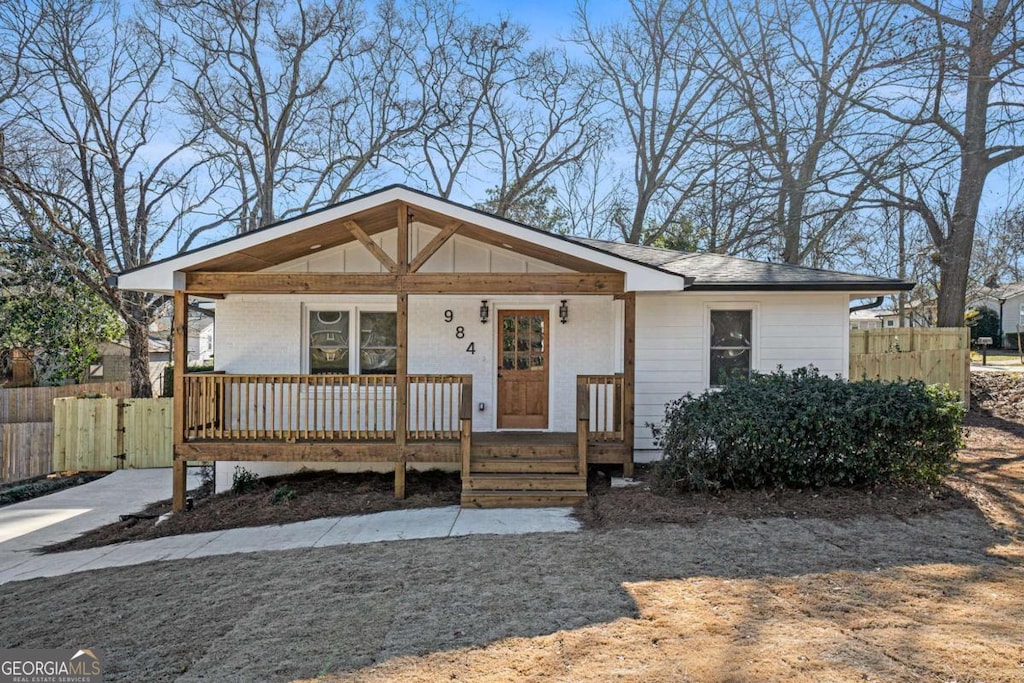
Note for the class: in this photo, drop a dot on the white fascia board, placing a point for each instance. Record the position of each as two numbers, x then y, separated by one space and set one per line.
160 277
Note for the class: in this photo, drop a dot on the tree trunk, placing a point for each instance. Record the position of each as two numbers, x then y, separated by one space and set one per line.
138 346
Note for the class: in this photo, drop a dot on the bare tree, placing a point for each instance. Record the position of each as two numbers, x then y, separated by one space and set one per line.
955 75
464 63
302 97
87 171
998 255
795 69
546 121
652 70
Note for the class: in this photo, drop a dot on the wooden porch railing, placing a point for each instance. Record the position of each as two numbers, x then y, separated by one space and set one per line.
225 407
435 402
600 412
603 395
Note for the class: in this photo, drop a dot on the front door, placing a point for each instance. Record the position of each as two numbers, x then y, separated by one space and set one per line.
523 370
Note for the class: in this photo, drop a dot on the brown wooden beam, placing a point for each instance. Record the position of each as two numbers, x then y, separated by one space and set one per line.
628 377
402 349
402 370
371 246
513 283
179 342
400 480
318 451
202 283
433 245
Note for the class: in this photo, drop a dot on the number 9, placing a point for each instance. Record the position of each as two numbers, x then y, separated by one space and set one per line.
449 316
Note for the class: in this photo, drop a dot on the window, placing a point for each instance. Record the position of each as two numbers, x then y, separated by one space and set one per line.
350 342
328 342
378 343
731 345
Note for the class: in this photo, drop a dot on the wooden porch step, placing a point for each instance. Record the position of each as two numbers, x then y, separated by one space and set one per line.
521 499
524 483
495 450
515 465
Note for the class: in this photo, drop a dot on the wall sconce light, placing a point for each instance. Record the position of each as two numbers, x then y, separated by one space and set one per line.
484 311
563 311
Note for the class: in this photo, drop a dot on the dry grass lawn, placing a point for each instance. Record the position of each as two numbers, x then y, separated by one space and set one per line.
935 595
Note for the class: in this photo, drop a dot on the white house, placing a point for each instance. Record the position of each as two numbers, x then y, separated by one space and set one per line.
1008 302
403 329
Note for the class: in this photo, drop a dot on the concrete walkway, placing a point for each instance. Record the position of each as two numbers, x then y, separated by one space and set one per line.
44 521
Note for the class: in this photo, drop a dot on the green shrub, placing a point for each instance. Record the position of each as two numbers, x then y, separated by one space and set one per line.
282 494
243 481
803 429
983 322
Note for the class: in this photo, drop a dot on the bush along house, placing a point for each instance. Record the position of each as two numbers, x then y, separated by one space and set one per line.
403 330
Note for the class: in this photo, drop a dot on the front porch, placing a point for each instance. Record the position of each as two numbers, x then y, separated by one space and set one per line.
370 419
337 342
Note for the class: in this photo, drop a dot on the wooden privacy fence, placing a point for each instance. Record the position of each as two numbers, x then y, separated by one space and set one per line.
27 450
940 355
105 434
26 425
35 404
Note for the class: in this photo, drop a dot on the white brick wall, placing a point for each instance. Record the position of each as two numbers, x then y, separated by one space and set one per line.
263 334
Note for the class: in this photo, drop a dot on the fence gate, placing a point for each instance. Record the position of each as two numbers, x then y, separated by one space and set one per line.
106 434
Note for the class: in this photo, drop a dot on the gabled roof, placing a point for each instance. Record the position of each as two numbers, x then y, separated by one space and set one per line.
719 272
646 268
1005 292
376 212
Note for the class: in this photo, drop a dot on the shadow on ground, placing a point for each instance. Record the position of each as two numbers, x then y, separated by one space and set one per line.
296 614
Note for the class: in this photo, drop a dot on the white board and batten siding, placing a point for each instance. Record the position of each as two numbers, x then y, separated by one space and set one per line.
791 329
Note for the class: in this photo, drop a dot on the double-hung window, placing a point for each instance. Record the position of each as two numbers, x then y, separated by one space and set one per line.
731 345
352 342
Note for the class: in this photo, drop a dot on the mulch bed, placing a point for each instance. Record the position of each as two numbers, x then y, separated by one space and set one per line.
997 401
998 393
316 494
639 506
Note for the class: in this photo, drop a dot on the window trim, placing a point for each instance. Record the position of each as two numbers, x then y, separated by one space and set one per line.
755 335
355 343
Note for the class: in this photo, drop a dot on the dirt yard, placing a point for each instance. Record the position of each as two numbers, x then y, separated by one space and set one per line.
891 594
300 496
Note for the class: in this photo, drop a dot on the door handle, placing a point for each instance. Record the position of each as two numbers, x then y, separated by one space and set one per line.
500 375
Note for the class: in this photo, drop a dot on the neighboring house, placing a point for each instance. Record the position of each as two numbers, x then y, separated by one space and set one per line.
915 314
401 328
200 341
866 319
113 364
1008 302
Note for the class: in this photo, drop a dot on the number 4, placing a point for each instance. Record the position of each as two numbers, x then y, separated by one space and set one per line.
471 348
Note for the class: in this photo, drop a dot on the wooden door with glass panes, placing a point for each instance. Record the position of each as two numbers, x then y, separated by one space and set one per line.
523 370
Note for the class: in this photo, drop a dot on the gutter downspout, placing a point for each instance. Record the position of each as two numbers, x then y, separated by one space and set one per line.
863 307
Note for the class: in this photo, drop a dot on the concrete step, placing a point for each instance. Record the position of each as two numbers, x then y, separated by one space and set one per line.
524 465
521 499
512 481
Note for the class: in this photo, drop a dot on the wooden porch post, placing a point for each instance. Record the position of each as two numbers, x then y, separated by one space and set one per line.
179 332
402 353
628 378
